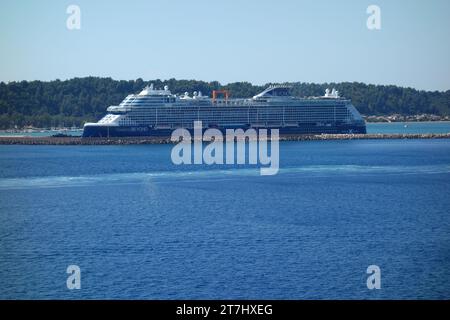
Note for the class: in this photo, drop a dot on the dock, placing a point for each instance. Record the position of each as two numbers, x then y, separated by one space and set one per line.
166 140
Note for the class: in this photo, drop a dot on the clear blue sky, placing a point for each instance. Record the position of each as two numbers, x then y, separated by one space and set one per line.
246 40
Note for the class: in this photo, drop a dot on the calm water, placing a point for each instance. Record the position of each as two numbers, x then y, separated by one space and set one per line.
43 133
140 227
409 127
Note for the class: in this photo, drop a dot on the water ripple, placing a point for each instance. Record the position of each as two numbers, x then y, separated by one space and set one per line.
142 177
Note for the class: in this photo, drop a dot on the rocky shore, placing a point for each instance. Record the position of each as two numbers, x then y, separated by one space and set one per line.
165 140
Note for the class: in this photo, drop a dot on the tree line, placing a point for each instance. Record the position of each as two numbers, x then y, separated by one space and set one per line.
75 101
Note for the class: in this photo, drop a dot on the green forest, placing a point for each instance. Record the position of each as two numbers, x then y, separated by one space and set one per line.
72 102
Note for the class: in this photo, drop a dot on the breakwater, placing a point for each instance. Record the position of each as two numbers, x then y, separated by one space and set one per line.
165 140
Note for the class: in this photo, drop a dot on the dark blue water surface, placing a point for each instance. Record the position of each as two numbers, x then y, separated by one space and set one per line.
140 227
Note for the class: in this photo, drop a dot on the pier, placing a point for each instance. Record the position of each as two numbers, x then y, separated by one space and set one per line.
166 140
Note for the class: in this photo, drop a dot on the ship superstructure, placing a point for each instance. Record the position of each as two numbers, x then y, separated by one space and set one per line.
157 112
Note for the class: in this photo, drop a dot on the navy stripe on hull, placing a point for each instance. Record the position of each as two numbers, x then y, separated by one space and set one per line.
104 131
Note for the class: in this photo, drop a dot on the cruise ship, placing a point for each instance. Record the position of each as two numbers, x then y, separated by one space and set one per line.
157 112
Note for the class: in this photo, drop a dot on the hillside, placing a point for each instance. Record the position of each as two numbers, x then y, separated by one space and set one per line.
72 102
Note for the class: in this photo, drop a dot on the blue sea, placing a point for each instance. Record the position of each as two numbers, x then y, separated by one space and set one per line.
409 127
140 227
